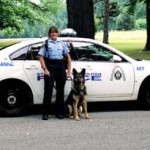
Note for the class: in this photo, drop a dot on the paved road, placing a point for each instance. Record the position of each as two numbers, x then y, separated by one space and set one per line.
117 126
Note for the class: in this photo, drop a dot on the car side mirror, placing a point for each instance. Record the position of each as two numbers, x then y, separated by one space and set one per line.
116 58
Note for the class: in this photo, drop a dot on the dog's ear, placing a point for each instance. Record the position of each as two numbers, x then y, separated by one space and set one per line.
74 71
83 71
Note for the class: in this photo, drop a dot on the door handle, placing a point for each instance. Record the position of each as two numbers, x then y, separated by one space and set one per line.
31 67
87 67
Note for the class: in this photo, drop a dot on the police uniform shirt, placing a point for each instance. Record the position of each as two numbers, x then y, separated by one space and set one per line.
56 50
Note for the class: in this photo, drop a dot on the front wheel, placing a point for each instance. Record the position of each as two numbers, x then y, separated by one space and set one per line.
14 100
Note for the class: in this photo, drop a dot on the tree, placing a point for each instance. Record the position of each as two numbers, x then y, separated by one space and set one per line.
106 21
11 14
125 22
104 10
14 13
81 17
147 46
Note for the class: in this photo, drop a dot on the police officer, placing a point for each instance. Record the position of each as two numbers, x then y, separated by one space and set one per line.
52 62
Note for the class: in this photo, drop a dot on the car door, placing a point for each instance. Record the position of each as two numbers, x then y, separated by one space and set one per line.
34 72
104 77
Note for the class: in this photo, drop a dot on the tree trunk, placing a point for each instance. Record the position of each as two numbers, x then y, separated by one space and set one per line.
147 46
106 22
81 17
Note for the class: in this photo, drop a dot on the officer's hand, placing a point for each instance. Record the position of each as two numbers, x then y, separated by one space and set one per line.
46 72
68 74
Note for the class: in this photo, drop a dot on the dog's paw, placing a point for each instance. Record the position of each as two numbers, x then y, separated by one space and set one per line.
77 118
88 117
71 117
81 116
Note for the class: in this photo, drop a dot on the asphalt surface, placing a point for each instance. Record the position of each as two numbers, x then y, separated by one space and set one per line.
114 126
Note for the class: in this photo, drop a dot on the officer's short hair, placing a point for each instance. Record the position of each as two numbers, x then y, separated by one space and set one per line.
52 29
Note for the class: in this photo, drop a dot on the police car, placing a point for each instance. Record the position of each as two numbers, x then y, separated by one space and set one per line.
110 74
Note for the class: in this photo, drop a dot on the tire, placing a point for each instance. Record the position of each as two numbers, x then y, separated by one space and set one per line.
14 100
144 97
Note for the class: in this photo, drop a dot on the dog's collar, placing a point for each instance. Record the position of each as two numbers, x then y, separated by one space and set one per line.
79 91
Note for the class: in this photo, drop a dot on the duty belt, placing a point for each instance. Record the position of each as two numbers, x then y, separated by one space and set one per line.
54 61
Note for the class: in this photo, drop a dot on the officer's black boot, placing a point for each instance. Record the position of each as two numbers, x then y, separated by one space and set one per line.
45 117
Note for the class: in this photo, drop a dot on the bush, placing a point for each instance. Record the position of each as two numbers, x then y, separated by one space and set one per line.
140 24
125 22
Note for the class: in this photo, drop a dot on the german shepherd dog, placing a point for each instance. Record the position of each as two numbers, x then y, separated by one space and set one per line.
77 98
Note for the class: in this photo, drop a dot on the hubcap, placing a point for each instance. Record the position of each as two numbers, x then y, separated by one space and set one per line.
11 100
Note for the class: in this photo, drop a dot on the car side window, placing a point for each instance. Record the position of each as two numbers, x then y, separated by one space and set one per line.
19 54
87 51
72 52
32 53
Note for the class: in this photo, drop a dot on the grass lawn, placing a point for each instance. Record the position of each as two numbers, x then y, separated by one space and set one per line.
130 42
4 43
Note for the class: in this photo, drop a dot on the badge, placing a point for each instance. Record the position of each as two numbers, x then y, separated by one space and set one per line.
118 74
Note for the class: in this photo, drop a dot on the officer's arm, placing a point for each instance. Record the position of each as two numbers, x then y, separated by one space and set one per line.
68 63
43 66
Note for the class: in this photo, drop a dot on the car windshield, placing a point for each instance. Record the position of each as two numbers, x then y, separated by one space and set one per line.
8 45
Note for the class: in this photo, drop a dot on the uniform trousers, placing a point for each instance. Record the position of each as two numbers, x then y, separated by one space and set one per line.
57 71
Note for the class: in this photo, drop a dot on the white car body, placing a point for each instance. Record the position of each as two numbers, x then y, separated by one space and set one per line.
120 78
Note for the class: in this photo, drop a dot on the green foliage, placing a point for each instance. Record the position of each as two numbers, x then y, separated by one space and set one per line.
130 6
113 9
60 18
16 15
97 24
9 16
125 22
140 11
140 24
129 11
99 9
